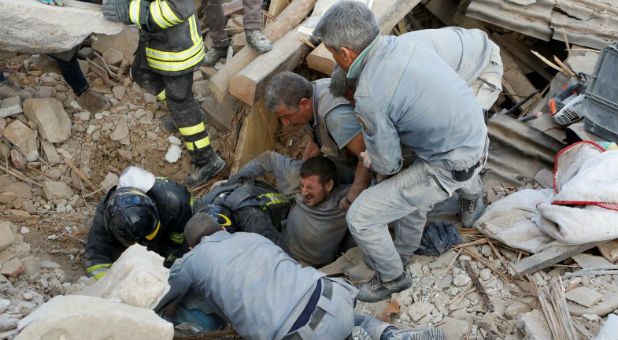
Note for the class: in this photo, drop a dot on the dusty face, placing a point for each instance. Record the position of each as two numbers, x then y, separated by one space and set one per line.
290 117
314 192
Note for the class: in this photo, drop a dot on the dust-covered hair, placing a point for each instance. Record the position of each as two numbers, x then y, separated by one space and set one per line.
287 88
347 24
198 226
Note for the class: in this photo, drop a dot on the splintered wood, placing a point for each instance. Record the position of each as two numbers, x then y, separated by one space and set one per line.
556 311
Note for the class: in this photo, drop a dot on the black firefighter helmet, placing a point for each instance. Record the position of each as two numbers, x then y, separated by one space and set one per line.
131 216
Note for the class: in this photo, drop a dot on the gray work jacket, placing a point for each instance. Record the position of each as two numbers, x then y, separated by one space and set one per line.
408 95
466 51
246 279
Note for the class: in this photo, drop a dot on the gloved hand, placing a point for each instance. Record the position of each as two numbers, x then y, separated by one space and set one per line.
117 10
366 160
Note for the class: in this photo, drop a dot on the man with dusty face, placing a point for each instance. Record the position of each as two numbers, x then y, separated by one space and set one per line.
315 190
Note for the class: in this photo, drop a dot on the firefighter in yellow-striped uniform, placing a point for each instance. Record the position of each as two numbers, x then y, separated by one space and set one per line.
170 49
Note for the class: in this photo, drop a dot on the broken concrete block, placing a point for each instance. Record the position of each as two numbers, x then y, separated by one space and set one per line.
27 25
121 131
50 152
54 190
7 322
609 249
7 237
109 181
608 303
125 42
19 215
87 317
515 309
4 304
113 57
23 138
454 328
44 91
584 296
53 123
85 52
137 278
173 153
18 249
119 92
591 261
534 326
10 106
18 160
419 309
32 264
201 89
12 267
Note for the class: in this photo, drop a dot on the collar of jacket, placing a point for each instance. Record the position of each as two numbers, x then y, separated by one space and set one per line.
357 66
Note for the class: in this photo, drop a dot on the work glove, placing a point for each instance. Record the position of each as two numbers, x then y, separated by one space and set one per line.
438 237
117 10
52 2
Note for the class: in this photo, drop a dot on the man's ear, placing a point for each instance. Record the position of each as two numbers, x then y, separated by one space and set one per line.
329 185
305 104
348 55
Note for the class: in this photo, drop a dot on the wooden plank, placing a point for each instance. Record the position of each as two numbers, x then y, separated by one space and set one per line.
256 136
321 60
291 16
514 82
277 6
249 84
550 256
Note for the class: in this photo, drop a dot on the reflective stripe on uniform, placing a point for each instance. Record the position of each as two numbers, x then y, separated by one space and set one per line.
168 14
274 198
134 13
98 270
154 233
177 237
200 143
192 130
178 61
157 15
227 220
161 96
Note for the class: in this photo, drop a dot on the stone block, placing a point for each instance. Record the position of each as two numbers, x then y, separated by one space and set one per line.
50 152
584 296
27 26
54 190
113 57
419 309
125 42
18 160
109 181
7 237
137 278
87 317
23 138
12 267
53 123
534 326
454 328
18 249
10 106
32 264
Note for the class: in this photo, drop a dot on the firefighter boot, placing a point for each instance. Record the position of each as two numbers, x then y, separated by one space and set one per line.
207 165
214 54
257 40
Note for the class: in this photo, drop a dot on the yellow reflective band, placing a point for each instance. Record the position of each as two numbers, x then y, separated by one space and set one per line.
168 14
227 222
191 201
98 266
192 130
134 13
157 15
161 96
195 35
202 143
177 237
154 233
176 65
173 56
99 275
138 193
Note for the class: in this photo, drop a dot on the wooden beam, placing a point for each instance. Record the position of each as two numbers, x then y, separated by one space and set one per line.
291 16
249 84
277 6
321 60
514 82
550 256
256 136
388 13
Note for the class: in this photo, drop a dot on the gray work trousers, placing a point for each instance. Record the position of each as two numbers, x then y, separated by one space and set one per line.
339 316
405 198
215 19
